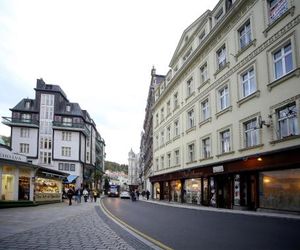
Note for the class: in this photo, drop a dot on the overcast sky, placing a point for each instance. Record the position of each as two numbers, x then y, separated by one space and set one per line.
99 52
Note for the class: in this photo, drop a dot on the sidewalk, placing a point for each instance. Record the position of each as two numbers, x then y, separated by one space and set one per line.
223 210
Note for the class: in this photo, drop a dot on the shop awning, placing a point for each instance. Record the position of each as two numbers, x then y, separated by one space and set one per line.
70 178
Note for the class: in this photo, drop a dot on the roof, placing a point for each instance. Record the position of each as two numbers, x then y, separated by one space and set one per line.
21 106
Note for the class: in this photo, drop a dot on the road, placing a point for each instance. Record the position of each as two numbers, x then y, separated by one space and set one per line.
181 228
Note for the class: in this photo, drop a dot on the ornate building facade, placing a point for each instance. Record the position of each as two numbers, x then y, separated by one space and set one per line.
57 134
226 118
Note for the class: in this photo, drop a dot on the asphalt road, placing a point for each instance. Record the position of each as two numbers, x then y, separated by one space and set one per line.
181 228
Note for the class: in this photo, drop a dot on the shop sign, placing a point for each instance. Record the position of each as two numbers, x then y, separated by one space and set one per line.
218 169
8 155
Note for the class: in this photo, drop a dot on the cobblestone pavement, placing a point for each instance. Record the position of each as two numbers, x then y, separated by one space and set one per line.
59 226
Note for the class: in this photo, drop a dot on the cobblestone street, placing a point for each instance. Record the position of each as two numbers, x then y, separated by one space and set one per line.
59 226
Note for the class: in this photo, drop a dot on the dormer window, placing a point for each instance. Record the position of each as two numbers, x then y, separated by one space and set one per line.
27 104
219 15
68 108
187 54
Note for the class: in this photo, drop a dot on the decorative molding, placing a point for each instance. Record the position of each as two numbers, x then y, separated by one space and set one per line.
221 69
249 148
205 121
295 72
223 111
190 129
224 154
241 51
206 159
288 138
249 97
203 84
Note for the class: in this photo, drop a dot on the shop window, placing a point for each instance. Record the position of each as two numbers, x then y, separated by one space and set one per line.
280 190
7 187
156 189
176 191
192 191
24 188
166 191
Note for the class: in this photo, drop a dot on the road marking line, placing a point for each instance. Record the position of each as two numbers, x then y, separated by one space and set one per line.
156 242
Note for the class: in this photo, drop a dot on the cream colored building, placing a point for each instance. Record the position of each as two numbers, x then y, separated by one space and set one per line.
226 119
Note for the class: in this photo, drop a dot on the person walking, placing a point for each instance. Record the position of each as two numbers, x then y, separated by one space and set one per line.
132 194
95 194
85 195
147 194
70 194
137 194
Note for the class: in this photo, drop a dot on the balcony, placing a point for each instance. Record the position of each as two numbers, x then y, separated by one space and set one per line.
80 127
9 121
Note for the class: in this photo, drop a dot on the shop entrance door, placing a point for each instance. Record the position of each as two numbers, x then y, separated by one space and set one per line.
252 192
224 191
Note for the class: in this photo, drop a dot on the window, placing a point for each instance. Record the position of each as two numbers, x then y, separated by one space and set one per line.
157 142
202 35
67 121
168 133
191 119
277 8
177 157
219 15
87 156
66 136
162 114
168 107
26 118
60 166
288 121
189 87
162 161
251 133
24 148
206 148
162 138
24 132
27 104
176 128
225 141
245 34
204 73
157 164
66 151
169 160
248 83
221 57
204 110
187 54
67 167
68 108
175 98
156 119
72 167
224 98
45 157
283 61
191 152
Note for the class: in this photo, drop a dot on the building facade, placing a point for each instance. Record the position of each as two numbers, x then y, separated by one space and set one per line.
133 168
57 134
146 145
226 118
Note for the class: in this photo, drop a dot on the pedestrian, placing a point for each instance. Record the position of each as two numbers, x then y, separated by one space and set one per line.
132 196
78 195
143 193
147 194
85 195
91 195
95 194
70 194
137 194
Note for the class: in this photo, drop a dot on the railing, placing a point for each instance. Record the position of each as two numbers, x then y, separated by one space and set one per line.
17 121
72 126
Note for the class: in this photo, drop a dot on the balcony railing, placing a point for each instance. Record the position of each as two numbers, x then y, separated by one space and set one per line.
71 126
9 121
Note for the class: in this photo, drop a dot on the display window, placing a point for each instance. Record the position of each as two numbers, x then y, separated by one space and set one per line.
166 190
280 190
176 191
156 191
47 189
7 187
24 188
192 191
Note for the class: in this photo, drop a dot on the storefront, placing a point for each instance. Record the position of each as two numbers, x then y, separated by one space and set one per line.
266 182
156 191
23 181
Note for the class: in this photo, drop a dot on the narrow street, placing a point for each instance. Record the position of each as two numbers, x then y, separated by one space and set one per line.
182 228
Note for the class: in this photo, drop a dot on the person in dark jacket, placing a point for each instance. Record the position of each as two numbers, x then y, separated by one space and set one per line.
147 194
70 194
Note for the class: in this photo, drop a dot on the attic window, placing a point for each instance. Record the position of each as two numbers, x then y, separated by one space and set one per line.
68 108
27 104
219 15
187 54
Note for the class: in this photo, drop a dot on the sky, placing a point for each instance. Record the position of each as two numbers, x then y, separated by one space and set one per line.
100 53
